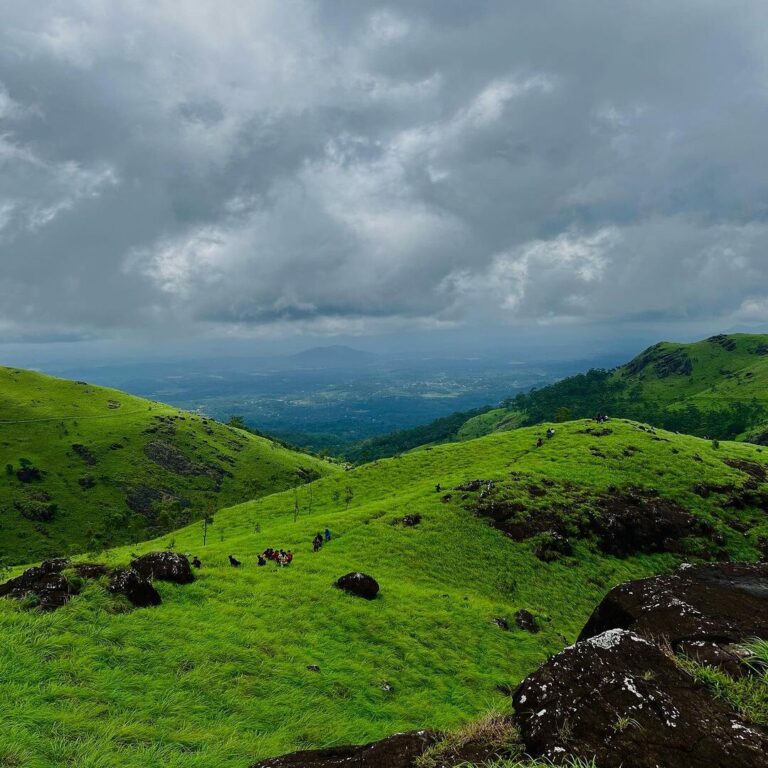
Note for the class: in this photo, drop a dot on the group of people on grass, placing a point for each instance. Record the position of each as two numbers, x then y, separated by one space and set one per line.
317 542
279 556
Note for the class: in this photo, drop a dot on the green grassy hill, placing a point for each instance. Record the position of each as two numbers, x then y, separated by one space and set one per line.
716 388
83 467
218 675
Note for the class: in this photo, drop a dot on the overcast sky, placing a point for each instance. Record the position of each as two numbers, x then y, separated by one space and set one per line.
268 168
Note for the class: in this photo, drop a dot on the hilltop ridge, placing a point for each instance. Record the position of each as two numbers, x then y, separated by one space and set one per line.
716 388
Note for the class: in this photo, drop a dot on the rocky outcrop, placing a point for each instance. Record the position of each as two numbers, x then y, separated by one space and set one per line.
359 584
642 522
164 566
722 603
45 583
619 699
51 584
398 751
138 590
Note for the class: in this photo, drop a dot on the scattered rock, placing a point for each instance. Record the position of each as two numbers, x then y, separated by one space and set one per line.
410 521
46 582
552 546
501 623
642 522
723 603
164 566
29 474
85 453
604 432
359 584
313 668
445 499
619 699
665 363
169 457
756 472
138 590
726 342
526 621
90 570
398 751
473 486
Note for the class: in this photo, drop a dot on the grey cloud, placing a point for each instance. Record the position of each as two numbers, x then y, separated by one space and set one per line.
346 167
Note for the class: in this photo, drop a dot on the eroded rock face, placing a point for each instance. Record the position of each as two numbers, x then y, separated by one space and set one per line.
723 603
359 584
618 698
398 751
641 522
164 566
138 590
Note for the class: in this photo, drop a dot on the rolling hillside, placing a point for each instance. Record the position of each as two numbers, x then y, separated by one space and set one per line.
255 661
716 388
82 467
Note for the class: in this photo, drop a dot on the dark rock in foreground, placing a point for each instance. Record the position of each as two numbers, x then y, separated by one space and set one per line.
618 698
46 582
138 590
724 603
398 751
164 566
359 584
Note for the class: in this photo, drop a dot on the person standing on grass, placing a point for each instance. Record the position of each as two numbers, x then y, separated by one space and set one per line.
317 542
327 534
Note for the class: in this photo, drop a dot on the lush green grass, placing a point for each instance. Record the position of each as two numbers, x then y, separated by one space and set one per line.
747 695
217 675
717 388
85 495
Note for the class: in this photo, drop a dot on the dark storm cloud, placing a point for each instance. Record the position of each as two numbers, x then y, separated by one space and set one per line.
344 167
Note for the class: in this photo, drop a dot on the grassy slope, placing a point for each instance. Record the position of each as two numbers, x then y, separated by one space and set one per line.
218 675
720 379
41 418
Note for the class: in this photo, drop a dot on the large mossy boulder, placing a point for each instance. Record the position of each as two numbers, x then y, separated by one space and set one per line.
138 590
359 584
164 566
723 603
619 699
45 584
